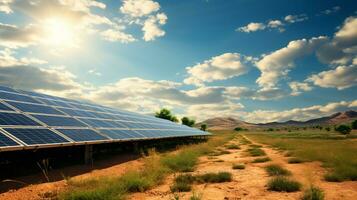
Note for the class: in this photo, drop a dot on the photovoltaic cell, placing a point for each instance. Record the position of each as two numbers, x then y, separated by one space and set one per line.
78 113
80 135
6 141
4 107
36 136
59 121
121 134
17 97
16 119
32 108
102 123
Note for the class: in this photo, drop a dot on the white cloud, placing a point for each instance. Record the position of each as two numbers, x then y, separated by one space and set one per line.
139 8
94 72
295 18
301 114
7 59
341 78
277 64
116 35
151 27
251 27
298 87
4 6
220 67
275 23
343 46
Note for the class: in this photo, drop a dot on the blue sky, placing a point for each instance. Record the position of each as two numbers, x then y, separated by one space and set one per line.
259 62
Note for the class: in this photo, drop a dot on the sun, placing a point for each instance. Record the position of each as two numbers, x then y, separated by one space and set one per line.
59 32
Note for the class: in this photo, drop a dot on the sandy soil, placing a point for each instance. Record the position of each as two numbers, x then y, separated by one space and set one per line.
249 183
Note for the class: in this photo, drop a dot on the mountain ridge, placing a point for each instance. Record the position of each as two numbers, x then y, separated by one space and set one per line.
229 123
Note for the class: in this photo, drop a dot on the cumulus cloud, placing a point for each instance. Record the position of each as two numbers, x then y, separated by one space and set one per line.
295 18
139 8
152 27
343 46
117 35
251 27
205 111
277 64
298 87
220 67
301 114
341 78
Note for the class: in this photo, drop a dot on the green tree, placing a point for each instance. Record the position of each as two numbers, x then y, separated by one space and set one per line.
203 127
354 124
166 114
327 129
238 129
187 121
344 129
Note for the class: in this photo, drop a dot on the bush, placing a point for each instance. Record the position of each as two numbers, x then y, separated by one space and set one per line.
182 162
344 129
166 114
327 128
276 170
283 184
354 125
232 146
261 160
238 129
238 166
313 193
187 121
182 183
256 152
219 177
203 127
294 160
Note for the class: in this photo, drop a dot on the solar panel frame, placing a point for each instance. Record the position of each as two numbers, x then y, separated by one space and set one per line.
82 135
35 108
59 121
17 97
16 119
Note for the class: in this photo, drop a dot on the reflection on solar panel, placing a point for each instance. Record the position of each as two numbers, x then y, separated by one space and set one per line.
34 119
80 135
36 136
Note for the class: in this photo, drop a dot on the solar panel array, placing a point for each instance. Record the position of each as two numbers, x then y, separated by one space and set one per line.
34 120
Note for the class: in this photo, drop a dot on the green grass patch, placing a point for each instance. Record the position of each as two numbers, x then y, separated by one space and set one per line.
238 166
283 184
261 160
338 155
256 152
219 177
277 170
295 160
255 145
232 146
313 193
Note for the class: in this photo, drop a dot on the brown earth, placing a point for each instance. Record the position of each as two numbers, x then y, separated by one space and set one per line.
249 183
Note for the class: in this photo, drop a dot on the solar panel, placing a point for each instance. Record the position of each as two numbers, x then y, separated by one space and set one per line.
118 134
5 107
16 119
33 108
59 121
36 115
6 141
36 136
16 97
80 135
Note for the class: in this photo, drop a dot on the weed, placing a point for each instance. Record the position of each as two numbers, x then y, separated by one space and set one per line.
276 170
215 177
256 152
196 196
283 184
238 166
313 193
232 146
295 160
255 145
261 160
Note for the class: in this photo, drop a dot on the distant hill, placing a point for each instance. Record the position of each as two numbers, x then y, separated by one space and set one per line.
229 123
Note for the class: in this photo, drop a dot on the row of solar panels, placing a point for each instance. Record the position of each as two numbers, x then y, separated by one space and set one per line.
29 119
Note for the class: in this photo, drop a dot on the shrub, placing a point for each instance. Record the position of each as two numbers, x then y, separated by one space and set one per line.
283 184
295 160
182 183
187 121
232 146
182 162
255 145
256 152
203 127
354 124
238 129
276 170
261 160
327 128
219 177
344 129
166 114
196 196
313 193
238 166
